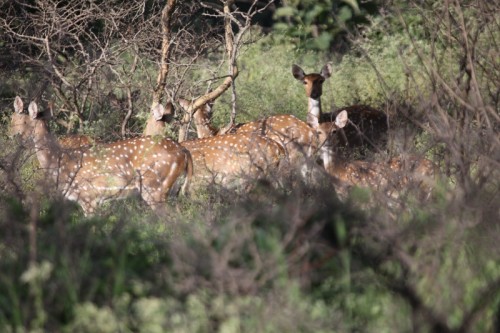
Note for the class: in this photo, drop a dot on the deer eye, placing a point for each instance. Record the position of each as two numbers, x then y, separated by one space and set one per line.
304 82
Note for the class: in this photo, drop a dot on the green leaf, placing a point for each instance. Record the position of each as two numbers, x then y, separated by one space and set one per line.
313 14
345 14
286 11
354 5
323 40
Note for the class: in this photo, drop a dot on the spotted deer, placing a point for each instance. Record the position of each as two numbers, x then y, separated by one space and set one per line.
73 141
393 175
69 141
367 127
390 177
226 158
92 175
297 138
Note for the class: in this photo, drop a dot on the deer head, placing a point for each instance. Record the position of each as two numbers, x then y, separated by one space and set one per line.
202 118
160 115
19 120
312 82
325 132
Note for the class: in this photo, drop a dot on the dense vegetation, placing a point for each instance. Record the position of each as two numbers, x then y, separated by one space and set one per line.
288 255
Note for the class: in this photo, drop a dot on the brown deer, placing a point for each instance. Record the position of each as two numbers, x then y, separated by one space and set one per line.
395 173
73 141
367 126
159 116
92 175
69 141
297 138
391 176
225 158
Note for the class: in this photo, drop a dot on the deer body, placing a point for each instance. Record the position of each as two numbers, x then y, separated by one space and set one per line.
92 175
73 141
295 136
391 176
367 127
231 156
224 158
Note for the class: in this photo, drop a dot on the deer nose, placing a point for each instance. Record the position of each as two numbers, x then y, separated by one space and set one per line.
315 94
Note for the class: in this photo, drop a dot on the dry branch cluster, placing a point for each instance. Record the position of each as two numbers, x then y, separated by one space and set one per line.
86 53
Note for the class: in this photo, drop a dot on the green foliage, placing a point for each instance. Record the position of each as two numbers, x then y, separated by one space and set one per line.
374 76
318 24
235 266
265 85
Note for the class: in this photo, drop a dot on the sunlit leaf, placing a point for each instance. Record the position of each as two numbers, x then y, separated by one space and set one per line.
286 11
354 5
345 14
323 40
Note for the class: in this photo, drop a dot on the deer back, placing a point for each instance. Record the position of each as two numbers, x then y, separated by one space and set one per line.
393 176
233 155
294 135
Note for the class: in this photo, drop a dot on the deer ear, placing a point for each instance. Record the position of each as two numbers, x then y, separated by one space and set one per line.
158 111
169 108
33 110
341 119
298 72
18 105
184 103
326 71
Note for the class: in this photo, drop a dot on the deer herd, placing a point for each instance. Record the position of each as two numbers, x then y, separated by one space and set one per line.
153 166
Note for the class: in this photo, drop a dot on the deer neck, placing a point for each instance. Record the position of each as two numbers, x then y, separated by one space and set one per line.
47 148
203 127
154 127
313 112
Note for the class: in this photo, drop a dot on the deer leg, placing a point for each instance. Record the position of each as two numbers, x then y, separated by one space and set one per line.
88 206
155 192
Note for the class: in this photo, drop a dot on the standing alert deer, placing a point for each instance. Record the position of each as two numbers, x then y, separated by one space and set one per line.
367 126
110 171
227 157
